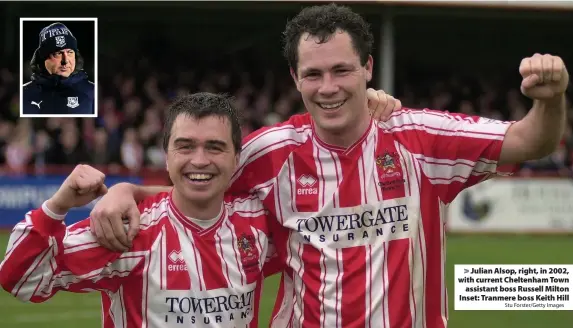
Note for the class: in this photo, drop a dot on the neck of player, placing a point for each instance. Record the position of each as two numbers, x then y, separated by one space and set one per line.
346 136
200 210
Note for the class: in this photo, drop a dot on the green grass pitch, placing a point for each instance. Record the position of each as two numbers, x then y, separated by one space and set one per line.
68 310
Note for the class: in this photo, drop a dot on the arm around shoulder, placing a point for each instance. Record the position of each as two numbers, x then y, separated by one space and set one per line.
120 202
139 193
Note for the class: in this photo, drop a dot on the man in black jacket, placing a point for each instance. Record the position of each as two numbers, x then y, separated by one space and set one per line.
59 84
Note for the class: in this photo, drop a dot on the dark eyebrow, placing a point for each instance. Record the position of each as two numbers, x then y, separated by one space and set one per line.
214 142
337 66
219 143
342 65
309 70
183 140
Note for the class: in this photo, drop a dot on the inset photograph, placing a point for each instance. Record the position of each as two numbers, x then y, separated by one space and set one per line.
58 67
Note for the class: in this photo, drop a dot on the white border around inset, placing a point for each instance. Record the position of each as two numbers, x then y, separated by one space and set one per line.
96 72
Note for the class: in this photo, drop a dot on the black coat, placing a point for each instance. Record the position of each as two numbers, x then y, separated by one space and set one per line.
56 95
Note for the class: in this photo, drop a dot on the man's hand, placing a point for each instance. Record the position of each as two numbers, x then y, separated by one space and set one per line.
381 105
106 218
544 77
545 80
82 186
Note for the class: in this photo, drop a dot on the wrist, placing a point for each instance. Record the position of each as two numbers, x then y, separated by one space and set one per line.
55 212
55 208
555 102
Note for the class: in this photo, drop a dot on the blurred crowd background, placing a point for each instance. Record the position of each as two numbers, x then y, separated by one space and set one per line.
460 60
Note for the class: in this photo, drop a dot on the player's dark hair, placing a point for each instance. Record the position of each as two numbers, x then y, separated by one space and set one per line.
200 105
322 22
38 67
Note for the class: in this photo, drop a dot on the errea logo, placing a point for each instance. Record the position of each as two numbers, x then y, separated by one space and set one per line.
176 257
307 182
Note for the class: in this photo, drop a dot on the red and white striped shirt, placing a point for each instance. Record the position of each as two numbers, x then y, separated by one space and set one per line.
177 274
361 229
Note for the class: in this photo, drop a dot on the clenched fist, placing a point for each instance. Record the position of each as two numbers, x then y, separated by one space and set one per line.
381 105
545 77
82 186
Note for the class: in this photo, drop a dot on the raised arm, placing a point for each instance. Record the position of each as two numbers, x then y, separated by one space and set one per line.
545 79
43 256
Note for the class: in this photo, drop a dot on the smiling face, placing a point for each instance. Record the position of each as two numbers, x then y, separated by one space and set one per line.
201 160
332 83
61 62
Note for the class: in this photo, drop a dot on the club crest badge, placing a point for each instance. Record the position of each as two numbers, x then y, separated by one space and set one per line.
246 245
73 102
389 163
60 41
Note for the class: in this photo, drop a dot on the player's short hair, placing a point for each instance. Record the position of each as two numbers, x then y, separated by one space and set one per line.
322 22
200 105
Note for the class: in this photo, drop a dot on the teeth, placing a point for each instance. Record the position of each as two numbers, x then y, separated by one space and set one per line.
199 176
330 106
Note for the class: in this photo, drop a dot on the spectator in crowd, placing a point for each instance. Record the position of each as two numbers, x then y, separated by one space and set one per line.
18 149
131 150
